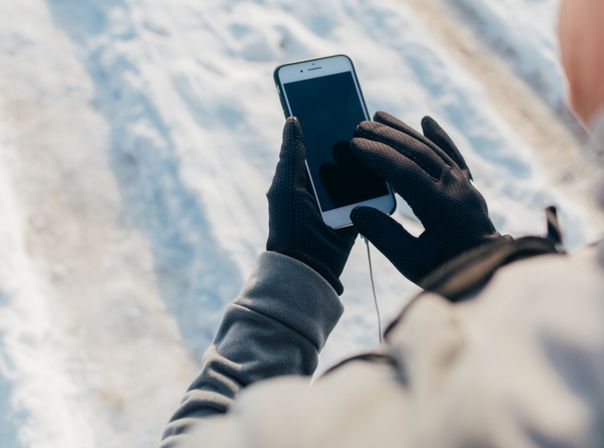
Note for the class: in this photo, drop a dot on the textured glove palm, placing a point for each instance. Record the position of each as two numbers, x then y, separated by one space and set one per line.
429 172
296 228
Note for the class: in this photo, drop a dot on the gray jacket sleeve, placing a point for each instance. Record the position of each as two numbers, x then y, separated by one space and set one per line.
277 326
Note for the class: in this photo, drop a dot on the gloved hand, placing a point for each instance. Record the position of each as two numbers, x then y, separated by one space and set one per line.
296 228
429 172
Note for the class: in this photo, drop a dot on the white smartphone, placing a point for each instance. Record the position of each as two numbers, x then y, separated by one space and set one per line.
324 94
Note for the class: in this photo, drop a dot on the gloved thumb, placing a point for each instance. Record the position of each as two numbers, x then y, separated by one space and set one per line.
291 167
387 235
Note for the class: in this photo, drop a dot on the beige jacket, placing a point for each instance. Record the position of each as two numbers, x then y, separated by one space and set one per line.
520 365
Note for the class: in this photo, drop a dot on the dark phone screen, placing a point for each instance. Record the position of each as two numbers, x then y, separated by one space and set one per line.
329 109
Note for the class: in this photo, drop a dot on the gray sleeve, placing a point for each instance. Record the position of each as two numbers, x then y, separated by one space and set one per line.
277 326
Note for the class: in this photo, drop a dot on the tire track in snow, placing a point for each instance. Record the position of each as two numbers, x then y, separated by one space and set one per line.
99 361
35 406
195 275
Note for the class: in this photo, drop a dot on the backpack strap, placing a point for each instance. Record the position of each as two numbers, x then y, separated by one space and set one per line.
457 279
471 270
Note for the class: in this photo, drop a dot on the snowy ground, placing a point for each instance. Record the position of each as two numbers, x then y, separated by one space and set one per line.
137 141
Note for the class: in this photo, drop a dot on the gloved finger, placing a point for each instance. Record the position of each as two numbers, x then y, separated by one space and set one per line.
393 122
406 177
437 134
408 146
291 168
387 235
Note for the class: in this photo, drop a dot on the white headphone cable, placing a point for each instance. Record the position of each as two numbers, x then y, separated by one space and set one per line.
375 300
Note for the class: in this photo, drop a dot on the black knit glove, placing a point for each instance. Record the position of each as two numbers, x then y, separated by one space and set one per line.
296 228
429 172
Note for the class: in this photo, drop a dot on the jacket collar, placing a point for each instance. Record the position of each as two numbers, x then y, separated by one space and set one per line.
596 150
596 141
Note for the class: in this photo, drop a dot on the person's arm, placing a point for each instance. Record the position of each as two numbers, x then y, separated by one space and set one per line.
290 304
277 326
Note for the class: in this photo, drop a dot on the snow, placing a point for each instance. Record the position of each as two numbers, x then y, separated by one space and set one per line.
138 140
522 32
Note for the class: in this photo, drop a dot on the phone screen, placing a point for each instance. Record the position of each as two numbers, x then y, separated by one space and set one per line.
329 110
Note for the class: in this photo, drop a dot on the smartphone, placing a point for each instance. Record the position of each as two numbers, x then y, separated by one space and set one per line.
325 95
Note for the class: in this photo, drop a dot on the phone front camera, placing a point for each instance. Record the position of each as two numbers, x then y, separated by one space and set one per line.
301 71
